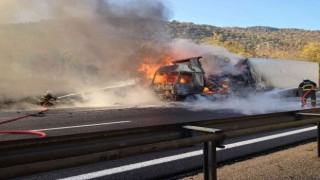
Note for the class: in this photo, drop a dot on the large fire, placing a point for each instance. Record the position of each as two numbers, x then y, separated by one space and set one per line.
168 77
224 86
149 66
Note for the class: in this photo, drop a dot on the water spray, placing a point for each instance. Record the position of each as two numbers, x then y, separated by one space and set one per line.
132 82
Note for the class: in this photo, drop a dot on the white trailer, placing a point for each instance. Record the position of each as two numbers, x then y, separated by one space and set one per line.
284 74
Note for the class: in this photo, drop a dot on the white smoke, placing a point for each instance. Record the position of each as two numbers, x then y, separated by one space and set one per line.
216 59
255 103
24 11
136 96
75 45
80 45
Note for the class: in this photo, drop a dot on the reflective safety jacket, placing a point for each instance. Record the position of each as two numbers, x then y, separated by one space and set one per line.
307 85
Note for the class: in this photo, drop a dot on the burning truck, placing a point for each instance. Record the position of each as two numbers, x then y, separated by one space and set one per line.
176 81
187 77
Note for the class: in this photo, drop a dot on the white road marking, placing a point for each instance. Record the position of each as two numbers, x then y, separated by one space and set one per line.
132 166
251 141
120 169
80 126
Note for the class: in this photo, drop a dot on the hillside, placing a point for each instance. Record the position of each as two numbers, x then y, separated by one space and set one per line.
257 41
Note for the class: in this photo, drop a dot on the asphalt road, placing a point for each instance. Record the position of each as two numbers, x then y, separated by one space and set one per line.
62 121
57 122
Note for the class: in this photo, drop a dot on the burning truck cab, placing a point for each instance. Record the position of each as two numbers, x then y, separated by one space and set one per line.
176 81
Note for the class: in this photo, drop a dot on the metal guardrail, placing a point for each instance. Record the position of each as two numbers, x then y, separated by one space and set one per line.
24 157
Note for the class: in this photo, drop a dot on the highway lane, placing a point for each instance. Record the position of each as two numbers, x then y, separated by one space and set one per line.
57 122
63 121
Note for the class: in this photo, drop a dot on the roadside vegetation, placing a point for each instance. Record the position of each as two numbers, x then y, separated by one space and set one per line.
258 41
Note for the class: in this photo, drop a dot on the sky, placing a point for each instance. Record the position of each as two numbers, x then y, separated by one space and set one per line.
301 14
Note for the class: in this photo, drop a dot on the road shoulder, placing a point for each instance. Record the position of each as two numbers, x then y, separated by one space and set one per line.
299 162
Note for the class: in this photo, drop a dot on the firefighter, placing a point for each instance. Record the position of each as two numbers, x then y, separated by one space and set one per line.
305 86
48 99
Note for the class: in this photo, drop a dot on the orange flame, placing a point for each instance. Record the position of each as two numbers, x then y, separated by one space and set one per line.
186 78
170 77
183 81
224 87
207 90
160 79
149 65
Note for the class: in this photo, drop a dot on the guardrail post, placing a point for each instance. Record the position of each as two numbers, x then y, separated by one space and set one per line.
206 160
210 160
318 128
318 138
209 151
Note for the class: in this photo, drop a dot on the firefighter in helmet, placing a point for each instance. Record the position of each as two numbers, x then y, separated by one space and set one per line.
48 99
308 88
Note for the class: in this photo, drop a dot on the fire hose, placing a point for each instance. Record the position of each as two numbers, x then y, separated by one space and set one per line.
303 99
41 134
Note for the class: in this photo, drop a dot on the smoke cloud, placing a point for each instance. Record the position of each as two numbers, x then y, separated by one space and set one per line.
80 45
75 45
216 59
